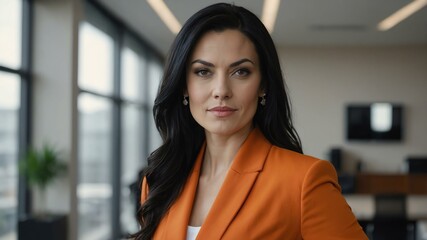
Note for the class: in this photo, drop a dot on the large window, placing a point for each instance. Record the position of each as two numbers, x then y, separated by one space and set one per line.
9 115
95 184
14 70
117 76
133 128
10 32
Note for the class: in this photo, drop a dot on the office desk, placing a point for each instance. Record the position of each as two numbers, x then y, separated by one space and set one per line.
378 183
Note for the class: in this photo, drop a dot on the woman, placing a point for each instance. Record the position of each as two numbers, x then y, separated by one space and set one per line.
231 166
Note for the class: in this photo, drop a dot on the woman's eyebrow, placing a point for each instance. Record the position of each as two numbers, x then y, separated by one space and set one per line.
203 62
243 60
237 63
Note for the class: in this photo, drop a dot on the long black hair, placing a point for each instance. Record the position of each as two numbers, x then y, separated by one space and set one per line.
170 165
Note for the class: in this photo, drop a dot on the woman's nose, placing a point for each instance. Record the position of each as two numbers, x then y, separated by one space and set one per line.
222 89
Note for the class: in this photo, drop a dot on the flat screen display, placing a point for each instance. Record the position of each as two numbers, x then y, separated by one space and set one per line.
374 121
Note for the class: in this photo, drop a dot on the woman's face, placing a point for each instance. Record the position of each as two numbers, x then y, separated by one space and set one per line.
223 82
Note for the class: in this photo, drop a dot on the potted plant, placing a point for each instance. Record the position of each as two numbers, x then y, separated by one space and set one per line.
41 167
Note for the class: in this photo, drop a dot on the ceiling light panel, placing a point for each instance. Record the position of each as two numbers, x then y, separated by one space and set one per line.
166 15
269 13
401 14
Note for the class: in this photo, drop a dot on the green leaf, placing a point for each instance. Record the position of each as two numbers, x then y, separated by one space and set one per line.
42 166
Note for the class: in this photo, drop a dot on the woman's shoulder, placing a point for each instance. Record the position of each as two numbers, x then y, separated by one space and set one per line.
296 164
291 157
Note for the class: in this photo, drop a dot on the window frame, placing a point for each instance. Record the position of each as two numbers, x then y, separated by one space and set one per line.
123 36
24 114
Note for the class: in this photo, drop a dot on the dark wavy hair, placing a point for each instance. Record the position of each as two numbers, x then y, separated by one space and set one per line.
170 165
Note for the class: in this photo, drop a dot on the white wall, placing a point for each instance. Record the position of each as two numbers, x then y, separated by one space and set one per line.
323 80
54 100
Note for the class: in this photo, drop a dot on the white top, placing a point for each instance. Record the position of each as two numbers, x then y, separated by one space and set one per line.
192 232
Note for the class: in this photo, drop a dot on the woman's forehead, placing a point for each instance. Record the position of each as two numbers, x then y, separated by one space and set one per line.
229 43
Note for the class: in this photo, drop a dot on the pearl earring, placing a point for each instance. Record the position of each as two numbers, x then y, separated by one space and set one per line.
263 100
185 101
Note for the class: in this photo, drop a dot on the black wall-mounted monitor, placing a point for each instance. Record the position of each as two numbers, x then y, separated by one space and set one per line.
374 121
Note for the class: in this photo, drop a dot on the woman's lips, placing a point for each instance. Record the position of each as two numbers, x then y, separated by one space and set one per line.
222 111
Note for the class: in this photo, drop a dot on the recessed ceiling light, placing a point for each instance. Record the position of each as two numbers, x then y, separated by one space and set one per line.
401 14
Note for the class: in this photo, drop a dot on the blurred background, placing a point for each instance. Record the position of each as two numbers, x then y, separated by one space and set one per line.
82 76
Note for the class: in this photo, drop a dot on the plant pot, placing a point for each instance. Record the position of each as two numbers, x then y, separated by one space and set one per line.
43 227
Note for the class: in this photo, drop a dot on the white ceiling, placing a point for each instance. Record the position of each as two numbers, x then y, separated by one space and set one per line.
299 22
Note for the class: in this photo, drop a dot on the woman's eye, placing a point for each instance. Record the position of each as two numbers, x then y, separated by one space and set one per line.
202 72
242 72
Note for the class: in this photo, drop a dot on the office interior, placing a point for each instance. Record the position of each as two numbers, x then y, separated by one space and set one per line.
81 76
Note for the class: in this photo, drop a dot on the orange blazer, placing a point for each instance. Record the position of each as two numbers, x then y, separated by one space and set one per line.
268 193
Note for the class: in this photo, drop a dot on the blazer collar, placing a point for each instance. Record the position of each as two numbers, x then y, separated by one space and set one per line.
249 161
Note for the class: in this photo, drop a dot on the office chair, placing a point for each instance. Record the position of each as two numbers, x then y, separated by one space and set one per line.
390 221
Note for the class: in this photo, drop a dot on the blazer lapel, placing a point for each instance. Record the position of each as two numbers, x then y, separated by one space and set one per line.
179 213
244 170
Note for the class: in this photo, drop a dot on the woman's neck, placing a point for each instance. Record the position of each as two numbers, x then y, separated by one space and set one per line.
220 152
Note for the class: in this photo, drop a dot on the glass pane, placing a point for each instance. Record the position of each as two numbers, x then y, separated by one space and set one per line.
133 159
95 60
132 75
94 190
154 75
9 115
10 32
